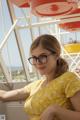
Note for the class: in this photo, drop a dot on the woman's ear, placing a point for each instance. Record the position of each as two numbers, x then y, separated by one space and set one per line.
56 57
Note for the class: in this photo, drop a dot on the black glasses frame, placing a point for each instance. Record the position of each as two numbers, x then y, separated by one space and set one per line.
41 59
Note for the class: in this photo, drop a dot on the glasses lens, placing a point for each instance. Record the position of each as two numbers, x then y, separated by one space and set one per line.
32 60
42 58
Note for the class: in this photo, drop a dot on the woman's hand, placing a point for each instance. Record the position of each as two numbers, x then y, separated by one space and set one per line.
49 113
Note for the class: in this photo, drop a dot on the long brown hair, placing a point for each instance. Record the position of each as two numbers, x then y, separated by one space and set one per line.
50 43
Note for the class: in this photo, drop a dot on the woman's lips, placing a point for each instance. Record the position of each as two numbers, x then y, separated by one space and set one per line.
41 68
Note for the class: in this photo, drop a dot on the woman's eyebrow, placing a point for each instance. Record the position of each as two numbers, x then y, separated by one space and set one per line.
40 54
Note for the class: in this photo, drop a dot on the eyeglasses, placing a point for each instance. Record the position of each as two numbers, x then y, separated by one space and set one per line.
40 59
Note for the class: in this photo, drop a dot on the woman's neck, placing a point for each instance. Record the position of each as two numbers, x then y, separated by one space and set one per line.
50 77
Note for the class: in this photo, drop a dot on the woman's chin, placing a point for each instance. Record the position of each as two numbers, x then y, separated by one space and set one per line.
42 72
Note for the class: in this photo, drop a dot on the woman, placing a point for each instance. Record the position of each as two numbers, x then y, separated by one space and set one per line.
57 97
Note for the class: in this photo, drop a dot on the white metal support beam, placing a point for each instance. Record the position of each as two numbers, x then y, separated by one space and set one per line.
2 63
7 35
5 71
19 42
74 64
54 21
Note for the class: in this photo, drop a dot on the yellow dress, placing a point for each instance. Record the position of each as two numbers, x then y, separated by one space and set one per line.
57 91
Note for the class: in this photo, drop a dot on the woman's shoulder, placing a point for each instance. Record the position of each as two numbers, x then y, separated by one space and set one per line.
35 83
71 84
32 85
69 74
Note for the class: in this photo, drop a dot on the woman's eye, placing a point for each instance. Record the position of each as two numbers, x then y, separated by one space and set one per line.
42 56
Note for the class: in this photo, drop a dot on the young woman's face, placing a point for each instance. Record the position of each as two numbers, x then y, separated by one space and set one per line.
44 60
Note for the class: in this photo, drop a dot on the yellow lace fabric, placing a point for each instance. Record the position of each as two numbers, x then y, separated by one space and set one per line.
57 91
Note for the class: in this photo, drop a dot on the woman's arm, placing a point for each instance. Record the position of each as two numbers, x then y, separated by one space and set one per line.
68 114
63 113
56 112
13 95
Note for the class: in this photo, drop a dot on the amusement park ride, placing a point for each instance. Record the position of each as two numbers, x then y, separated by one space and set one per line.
64 14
